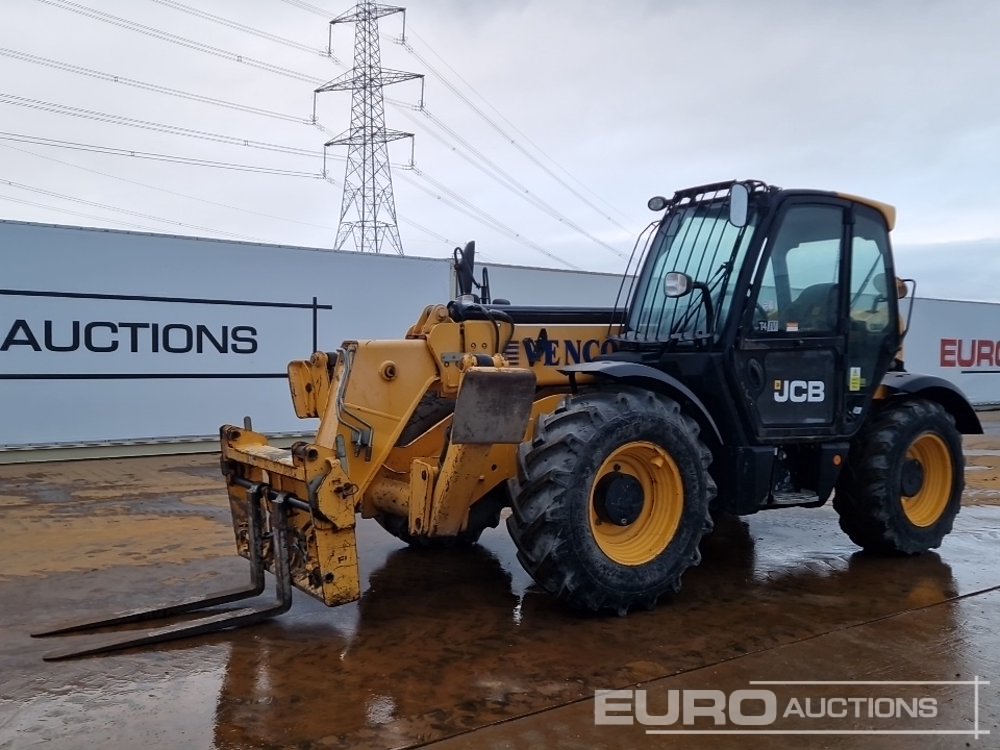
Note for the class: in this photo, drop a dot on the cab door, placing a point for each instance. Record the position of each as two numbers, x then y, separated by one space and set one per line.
790 353
872 313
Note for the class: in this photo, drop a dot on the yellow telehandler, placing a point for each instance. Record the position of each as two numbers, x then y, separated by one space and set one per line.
752 361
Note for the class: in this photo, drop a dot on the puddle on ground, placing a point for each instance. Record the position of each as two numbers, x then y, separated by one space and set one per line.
441 642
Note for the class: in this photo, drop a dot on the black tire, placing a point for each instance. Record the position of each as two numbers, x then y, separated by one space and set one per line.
552 525
431 410
870 492
485 514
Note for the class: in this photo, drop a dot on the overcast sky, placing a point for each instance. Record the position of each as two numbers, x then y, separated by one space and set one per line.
894 100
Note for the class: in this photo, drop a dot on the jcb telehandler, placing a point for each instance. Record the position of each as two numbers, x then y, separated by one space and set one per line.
752 361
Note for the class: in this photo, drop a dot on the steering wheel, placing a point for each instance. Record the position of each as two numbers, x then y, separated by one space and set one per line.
759 316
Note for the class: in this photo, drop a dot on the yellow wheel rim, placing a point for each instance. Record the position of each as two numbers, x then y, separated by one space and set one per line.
929 503
654 527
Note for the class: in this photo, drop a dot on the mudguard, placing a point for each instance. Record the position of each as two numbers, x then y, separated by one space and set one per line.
633 373
939 390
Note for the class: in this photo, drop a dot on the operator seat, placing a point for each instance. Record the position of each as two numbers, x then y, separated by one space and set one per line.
815 309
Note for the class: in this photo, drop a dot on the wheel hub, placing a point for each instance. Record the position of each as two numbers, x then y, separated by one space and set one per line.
912 477
618 499
636 502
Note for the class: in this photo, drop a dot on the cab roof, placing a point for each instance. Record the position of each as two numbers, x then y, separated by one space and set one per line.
717 190
887 211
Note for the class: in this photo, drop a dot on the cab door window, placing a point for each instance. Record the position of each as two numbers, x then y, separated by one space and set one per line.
870 286
799 287
873 314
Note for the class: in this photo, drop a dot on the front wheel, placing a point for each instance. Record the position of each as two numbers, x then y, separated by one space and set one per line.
902 486
612 500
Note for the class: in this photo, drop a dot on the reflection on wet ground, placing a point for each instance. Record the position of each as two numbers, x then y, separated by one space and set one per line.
454 644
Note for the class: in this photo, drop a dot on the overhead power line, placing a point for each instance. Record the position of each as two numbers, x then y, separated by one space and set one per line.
524 194
60 210
146 228
109 77
402 219
124 23
248 29
301 5
167 191
225 54
189 162
99 15
470 209
198 46
186 160
126 211
316 10
159 127
499 174
479 217
511 183
513 141
425 230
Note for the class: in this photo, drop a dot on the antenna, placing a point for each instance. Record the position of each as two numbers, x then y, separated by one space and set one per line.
368 210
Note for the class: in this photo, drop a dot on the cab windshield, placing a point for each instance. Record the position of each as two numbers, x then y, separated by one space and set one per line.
696 239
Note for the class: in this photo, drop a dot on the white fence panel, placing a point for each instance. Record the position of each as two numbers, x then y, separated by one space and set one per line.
108 336
542 286
119 336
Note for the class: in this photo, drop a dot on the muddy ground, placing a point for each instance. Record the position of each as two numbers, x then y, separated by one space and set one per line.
457 649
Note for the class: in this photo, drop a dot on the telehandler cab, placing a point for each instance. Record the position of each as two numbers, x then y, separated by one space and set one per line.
752 361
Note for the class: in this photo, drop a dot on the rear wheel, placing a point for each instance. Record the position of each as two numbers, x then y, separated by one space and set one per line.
612 500
902 486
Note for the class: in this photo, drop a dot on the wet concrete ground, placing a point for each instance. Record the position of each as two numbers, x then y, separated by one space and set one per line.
456 648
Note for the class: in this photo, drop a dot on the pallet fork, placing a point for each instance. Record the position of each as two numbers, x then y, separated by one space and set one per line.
258 495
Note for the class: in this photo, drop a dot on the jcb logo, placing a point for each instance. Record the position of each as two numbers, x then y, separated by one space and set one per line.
799 391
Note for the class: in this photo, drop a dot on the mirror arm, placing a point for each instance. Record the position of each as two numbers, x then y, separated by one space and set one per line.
909 310
485 288
706 298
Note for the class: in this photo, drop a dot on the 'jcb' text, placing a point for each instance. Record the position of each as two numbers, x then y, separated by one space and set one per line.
799 391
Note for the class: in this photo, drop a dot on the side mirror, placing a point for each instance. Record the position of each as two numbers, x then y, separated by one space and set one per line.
739 205
676 284
901 289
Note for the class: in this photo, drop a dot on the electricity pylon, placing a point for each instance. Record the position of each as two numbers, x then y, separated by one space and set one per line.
368 210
